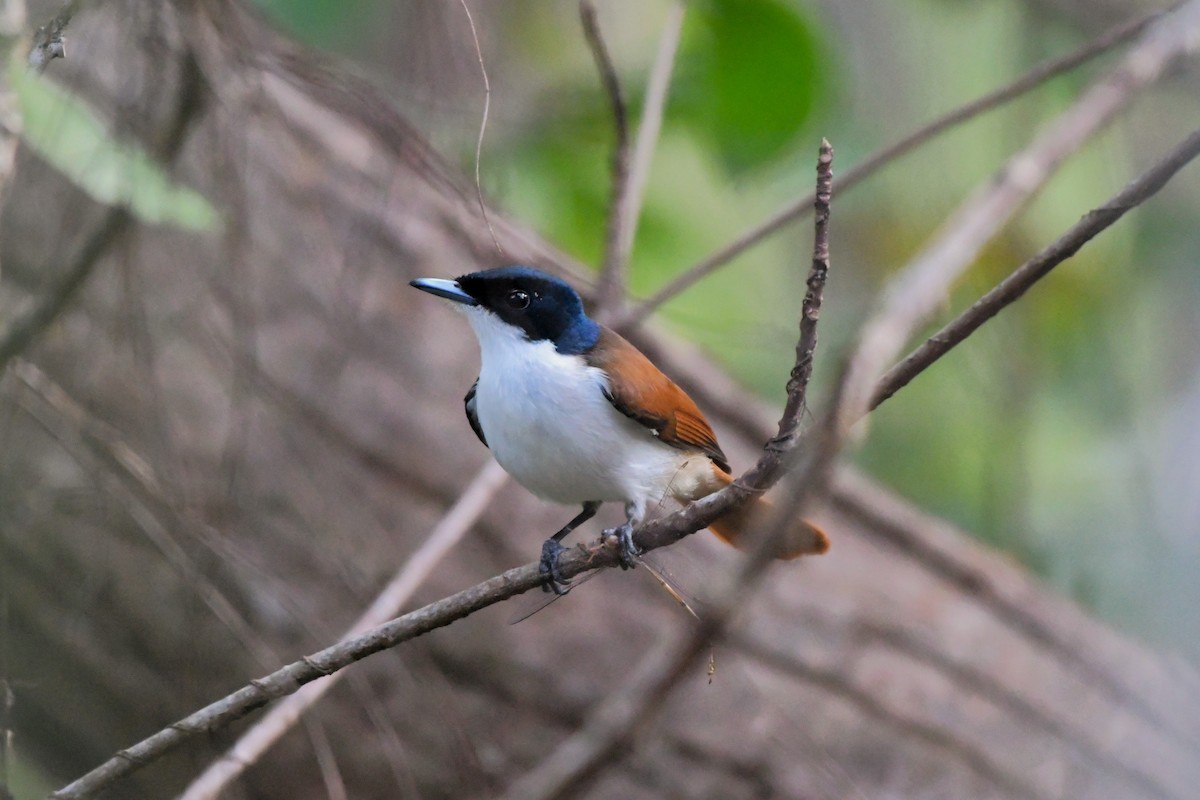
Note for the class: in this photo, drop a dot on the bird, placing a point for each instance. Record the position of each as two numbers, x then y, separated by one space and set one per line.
579 416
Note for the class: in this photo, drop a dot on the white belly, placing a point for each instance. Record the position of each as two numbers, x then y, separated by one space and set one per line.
548 423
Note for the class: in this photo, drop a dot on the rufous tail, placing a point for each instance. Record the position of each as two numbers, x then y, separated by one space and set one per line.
802 538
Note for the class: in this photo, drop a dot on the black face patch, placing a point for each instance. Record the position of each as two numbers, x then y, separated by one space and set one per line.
544 307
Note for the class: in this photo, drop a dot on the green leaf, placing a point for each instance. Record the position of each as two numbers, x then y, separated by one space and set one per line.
340 24
68 135
752 76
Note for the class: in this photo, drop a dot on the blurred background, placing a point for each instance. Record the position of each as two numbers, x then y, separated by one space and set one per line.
1067 432
246 420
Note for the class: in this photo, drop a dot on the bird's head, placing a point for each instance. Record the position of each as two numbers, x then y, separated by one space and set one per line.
540 306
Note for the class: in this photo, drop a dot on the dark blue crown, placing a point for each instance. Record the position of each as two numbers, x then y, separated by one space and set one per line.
543 306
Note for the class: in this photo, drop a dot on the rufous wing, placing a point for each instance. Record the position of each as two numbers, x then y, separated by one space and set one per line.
640 391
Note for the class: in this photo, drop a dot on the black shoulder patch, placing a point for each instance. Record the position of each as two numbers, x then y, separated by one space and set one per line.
472 416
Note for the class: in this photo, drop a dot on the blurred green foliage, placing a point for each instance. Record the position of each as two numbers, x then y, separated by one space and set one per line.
325 23
720 92
65 132
1048 433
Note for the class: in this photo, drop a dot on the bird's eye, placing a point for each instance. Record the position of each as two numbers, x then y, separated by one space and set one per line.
518 299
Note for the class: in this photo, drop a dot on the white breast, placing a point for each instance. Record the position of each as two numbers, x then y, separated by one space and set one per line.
548 423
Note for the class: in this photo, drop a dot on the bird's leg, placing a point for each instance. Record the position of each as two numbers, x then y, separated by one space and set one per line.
552 548
628 551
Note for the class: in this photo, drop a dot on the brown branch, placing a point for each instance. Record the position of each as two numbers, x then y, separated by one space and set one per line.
1016 284
23 332
885 156
920 288
610 290
628 206
810 312
252 744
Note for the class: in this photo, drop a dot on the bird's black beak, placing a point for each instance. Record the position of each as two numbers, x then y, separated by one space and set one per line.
443 288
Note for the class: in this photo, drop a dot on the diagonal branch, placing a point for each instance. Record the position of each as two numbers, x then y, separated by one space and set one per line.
25 330
916 293
885 156
251 745
1016 284
610 291
627 207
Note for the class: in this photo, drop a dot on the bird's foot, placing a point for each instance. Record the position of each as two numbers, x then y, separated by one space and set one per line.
555 582
628 551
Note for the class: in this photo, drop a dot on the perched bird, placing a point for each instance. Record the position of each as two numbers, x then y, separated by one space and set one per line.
577 414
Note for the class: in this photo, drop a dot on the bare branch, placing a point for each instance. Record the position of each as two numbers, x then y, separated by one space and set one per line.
139 489
885 156
919 289
1011 288
628 206
610 291
29 327
810 314
251 746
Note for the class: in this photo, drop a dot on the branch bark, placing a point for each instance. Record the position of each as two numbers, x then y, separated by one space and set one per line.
1024 277
610 290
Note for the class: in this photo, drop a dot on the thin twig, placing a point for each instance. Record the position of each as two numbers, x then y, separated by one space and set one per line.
1016 284
23 332
487 105
628 209
919 290
331 774
90 440
885 156
567 771
806 345
610 290
250 747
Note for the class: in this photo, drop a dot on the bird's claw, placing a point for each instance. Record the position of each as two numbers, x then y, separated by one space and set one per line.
548 567
627 551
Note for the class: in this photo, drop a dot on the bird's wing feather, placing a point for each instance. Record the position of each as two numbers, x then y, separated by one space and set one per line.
472 414
640 391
